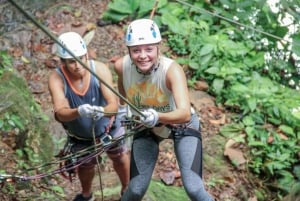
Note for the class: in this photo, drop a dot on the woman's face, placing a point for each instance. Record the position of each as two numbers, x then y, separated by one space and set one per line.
144 56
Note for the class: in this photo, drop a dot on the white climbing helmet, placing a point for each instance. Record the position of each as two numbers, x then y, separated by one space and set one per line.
142 32
74 42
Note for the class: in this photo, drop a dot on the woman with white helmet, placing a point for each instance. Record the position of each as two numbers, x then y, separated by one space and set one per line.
82 104
157 86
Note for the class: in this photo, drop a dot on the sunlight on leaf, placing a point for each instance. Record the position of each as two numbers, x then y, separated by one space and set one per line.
218 85
251 103
25 60
89 37
287 129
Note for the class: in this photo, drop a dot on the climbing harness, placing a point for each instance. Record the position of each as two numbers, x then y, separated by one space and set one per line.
68 161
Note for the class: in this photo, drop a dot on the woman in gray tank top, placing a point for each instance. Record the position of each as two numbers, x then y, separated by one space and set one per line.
157 86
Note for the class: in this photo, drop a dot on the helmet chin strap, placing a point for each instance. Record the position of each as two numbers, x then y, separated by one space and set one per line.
151 70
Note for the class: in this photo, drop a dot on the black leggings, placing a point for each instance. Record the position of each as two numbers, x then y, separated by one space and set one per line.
144 153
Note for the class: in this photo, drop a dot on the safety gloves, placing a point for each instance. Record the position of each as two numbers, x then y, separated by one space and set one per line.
98 112
123 112
150 118
86 110
95 112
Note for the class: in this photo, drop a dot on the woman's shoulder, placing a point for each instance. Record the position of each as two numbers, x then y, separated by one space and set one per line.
122 62
118 62
125 59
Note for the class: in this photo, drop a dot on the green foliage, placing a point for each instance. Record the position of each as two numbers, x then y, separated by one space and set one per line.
121 10
296 44
260 194
177 44
58 190
10 122
160 191
5 62
54 193
214 181
273 145
8 188
22 120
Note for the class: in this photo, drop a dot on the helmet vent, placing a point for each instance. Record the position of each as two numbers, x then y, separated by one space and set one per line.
153 31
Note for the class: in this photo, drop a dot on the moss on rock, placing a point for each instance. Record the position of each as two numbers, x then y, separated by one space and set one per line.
22 122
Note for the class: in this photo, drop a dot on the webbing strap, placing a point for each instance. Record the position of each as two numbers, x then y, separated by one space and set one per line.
178 132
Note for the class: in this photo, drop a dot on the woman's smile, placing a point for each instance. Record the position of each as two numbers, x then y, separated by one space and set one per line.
144 56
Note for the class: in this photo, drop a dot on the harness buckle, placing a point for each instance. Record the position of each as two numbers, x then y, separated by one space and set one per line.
105 139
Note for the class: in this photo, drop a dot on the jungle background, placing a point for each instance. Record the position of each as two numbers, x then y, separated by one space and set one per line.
242 63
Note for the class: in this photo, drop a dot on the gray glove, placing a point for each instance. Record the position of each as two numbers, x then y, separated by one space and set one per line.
150 119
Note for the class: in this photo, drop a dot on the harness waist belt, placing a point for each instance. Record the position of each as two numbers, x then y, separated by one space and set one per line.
79 138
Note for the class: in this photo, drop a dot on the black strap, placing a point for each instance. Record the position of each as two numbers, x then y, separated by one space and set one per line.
180 131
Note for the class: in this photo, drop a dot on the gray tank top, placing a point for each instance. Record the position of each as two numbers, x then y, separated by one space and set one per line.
148 91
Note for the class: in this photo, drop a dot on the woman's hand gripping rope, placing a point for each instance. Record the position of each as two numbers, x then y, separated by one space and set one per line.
129 121
149 118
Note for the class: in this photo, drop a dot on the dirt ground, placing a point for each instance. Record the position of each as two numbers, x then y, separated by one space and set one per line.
28 42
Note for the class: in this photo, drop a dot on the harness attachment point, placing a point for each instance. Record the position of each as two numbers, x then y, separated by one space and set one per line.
106 139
